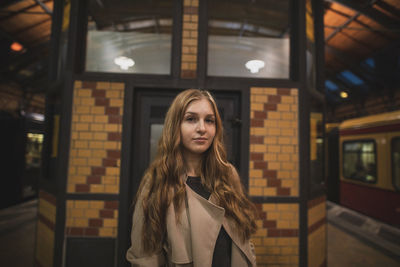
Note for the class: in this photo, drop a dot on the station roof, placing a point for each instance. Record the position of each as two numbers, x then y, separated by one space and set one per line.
362 46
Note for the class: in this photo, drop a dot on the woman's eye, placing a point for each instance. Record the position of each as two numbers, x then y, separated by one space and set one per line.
210 121
190 119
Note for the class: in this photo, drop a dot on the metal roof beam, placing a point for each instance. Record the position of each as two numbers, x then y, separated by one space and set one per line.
372 13
44 7
341 27
389 8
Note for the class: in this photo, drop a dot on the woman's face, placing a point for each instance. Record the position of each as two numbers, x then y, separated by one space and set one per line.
197 127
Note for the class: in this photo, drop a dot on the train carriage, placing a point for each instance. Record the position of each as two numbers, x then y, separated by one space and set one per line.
369 159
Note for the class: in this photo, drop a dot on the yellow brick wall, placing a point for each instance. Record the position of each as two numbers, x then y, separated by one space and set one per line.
92 218
94 159
45 230
273 169
277 239
189 39
317 232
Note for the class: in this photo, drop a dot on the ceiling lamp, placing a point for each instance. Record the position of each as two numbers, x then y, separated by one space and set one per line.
16 47
344 94
124 62
254 66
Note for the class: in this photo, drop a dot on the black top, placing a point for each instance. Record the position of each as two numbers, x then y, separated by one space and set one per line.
223 246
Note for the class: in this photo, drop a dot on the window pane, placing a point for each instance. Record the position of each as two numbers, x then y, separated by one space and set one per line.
316 144
396 162
155 134
129 36
359 161
311 49
249 39
34 145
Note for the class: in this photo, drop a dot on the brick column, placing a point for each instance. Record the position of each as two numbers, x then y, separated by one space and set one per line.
95 158
189 39
273 171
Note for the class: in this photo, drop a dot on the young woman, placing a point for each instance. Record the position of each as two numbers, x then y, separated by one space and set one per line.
190 207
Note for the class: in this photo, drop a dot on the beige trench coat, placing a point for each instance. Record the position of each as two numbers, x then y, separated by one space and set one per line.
192 241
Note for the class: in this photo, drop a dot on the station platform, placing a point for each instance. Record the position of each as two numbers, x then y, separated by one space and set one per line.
353 239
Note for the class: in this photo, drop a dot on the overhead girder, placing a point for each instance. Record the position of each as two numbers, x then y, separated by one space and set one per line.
352 64
372 13
389 8
366 26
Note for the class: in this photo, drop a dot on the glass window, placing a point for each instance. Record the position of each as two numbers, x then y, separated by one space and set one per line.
316 144
311 47
129 36
33 155
155 134
396 162
249 39
359 160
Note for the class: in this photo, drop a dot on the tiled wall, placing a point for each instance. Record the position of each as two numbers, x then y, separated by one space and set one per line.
317 232
274 142
277 239
95 150
92 218
45 230
189 39
95 158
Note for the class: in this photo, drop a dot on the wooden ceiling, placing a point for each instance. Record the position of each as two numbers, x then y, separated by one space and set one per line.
355 30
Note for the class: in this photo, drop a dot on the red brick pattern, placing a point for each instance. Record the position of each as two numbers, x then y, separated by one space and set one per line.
273 142
96 136
92 218
277 239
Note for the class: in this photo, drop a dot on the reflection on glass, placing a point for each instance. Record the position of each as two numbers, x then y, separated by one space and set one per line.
129 36
316 147
311 51
359 161
249 39
155 134
33 154
396 163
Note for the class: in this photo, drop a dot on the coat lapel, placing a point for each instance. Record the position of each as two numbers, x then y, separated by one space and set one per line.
205 220
244 247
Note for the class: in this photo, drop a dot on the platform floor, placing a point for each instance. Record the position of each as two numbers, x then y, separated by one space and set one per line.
348 244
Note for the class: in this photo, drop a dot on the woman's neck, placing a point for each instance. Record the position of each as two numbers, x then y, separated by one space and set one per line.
192 162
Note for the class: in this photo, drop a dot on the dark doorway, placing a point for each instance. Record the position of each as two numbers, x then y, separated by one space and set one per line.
150 108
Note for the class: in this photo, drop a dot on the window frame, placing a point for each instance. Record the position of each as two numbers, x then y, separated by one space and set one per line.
375 154
79 66
294 49
397 188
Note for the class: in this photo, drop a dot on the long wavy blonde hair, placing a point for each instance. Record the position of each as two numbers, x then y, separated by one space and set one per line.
162 184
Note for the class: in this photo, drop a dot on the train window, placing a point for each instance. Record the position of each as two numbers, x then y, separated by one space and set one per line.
34 145
129 36
359 160
396 162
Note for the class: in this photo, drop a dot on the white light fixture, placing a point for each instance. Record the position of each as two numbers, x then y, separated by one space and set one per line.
344 94
254 66
124 62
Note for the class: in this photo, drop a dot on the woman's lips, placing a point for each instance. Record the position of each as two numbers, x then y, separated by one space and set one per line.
200 140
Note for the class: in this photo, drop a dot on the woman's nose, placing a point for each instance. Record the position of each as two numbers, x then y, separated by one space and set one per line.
201 126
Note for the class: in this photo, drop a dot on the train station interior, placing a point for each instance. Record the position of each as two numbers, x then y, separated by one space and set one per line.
309 97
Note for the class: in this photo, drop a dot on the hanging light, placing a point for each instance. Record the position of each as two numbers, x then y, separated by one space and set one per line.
16 47
124 62
344 94
255 65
